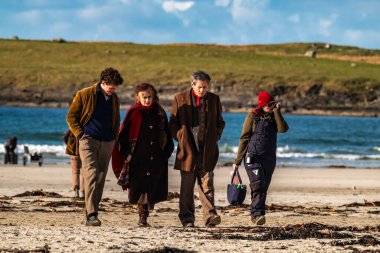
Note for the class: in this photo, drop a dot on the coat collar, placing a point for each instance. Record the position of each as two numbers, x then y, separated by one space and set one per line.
94 88
187 97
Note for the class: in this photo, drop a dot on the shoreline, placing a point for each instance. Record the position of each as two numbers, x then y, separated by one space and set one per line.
242 110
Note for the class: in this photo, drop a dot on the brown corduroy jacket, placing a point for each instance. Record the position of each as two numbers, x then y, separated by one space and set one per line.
180 128
80 112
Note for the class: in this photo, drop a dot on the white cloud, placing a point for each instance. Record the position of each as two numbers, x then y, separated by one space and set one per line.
325 25
222 3
294 18
173 6
30 17
91 12
366 38
251 12
59 28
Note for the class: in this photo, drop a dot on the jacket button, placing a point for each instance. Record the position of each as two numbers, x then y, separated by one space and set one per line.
151 158
151 127
151 143
148 174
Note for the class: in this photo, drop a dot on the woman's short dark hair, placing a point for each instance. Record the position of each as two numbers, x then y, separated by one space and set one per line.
147 87
111 76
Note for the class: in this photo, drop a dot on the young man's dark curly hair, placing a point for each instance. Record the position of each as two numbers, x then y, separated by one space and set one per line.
111 76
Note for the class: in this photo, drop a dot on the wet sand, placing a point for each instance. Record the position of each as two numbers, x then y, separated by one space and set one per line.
309 210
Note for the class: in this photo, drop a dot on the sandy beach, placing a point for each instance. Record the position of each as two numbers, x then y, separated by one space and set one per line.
309 210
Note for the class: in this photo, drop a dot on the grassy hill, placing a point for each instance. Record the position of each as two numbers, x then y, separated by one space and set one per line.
60 67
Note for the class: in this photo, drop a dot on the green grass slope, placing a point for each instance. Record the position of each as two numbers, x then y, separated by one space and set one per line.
28 65
43 64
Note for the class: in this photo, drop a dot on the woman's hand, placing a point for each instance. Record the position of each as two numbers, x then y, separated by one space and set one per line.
129 158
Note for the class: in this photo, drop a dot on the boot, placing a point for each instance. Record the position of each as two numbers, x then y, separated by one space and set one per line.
76 193
143 215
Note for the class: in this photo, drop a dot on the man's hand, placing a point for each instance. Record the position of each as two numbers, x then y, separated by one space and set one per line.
235 167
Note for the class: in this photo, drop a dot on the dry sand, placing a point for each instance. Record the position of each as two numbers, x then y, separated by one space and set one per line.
309 210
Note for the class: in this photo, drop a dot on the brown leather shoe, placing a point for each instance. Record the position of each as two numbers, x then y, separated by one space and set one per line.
213 221
258 220
76 193
143 221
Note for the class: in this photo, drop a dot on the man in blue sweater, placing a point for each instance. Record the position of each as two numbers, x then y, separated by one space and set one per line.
94 119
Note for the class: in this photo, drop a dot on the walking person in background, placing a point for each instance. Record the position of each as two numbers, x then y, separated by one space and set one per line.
258 144
10 146
76 172
77 180
143 149
197 124
94 120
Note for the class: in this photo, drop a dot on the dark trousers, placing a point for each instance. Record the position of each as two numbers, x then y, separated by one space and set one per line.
260 173
10 156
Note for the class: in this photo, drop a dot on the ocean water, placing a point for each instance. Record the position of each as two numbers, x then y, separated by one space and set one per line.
312 141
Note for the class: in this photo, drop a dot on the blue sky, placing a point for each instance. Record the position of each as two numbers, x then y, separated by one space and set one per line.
345 22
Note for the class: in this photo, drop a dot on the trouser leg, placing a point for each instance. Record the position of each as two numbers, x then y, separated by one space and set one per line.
95 156
7 156
260 175
75 171
104 157
206 194
186 198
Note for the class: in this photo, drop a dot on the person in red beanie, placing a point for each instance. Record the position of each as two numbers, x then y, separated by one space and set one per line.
258 144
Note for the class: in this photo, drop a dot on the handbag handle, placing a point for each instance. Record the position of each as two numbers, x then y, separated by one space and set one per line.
236 172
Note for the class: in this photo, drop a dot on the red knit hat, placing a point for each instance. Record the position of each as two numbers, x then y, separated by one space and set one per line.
264 98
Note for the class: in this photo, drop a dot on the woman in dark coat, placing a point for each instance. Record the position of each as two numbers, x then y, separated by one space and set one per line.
258 144
144 146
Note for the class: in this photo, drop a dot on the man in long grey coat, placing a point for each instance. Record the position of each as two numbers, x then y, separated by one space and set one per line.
197 124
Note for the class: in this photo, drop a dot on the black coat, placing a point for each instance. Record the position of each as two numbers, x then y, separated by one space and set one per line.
148 169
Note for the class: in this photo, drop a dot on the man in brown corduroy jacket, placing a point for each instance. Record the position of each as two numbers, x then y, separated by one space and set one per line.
197 124
94 119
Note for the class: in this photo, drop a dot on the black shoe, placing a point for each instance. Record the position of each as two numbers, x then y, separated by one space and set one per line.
93 221
188 225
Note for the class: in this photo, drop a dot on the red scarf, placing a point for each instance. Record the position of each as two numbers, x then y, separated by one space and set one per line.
133 118
197 99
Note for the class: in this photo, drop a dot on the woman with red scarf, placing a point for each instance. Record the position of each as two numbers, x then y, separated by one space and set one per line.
258 144
140 157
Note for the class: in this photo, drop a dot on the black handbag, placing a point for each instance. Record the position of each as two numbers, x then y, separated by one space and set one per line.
236 192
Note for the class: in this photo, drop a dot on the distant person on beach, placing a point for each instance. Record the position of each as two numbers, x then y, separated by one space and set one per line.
258 144
94 120
77 179
140 157
76 171
10 145
197 124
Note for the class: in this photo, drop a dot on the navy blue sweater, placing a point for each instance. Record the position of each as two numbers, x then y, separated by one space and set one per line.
100 125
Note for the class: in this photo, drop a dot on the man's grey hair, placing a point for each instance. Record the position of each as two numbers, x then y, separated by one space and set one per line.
200 76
